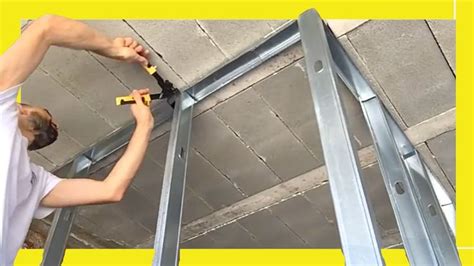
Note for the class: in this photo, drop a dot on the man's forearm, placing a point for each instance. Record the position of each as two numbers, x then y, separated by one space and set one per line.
73 34
126 168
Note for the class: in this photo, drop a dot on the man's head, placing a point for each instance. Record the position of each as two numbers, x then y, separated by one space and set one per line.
37 125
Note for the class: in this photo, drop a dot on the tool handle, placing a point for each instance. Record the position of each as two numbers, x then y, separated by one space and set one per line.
123 100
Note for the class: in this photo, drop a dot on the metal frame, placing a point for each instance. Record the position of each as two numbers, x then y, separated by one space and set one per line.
353 211
62 222
427 238
425 232
174 180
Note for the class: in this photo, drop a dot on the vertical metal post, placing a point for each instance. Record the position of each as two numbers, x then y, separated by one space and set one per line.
355 220
425 233
59 233
172 194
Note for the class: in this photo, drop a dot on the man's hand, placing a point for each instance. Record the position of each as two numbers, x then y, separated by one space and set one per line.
20 60
83 191
140 111
128 50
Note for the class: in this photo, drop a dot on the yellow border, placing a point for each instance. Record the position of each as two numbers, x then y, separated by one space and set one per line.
12 11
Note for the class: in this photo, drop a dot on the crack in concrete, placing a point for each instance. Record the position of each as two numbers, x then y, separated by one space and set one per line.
288 127
220 172
445 175
260 157
440 48
213 42
305 243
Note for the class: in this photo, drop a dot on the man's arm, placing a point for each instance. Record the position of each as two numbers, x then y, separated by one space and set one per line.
82 191
20 60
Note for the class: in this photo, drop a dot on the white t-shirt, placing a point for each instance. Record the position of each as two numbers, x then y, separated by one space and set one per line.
22 183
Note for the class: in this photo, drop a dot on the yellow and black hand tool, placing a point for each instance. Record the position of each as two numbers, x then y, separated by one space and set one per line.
168 91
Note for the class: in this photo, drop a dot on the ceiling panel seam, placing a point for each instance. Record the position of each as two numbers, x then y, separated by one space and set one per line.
226 177
360 63
248 146
66 88
439 47
288 227
288 127
437 162
211 39
156 52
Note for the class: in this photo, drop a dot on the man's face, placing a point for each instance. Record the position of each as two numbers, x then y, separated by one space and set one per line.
30 119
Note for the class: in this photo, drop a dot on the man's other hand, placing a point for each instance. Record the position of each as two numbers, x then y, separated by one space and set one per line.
129 50
140 111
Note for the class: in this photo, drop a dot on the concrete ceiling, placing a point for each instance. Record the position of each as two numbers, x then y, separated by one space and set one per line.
256 176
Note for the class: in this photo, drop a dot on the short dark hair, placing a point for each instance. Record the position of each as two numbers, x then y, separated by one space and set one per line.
45 131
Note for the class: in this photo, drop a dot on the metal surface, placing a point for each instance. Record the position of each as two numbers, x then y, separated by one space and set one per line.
174 180
63 218
355 220
425 233
246 62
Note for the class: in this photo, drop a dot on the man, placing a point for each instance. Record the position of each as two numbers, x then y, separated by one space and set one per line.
27 191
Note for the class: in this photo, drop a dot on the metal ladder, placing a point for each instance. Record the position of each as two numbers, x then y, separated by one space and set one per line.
427 236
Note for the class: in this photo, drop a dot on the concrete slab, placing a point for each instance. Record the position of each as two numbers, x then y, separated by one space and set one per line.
270 231
443 148
182 44
62 150
288 94
204 241
227 34
307 222
278 23
157 149
375 188
405 59
445 34
343 26
369 77
194 207
435 168
133 75
129 233
70 113
139 208
263 71
321 198
40 160
234 236
354 117
99 219
149 180
218 144
258 126
209 184
79 73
